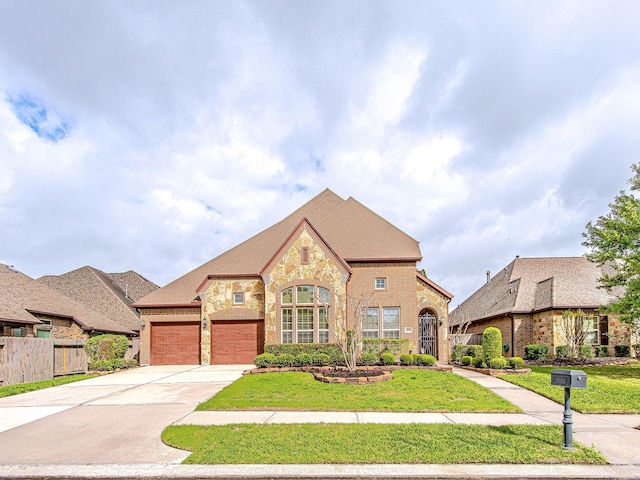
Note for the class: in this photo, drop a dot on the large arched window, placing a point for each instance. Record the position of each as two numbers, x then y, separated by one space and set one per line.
304 314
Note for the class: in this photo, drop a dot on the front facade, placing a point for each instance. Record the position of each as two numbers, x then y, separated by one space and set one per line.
528 298
298 282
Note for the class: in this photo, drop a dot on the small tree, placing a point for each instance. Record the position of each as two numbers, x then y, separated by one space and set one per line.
491 344
573 328
349 337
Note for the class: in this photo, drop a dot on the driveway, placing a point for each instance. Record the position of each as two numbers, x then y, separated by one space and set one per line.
115 418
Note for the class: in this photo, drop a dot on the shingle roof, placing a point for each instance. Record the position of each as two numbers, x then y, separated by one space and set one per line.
352 230
533 284
109 294
21 294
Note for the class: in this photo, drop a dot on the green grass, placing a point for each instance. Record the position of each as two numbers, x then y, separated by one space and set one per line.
408 391
7 391
374 443
610 389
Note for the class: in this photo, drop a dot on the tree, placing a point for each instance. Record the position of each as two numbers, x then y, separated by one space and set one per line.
614 241
573 329
349 337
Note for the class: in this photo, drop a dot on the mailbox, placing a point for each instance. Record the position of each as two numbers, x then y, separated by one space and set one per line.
569 378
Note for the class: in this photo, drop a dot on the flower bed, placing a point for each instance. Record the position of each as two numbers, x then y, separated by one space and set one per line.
357 377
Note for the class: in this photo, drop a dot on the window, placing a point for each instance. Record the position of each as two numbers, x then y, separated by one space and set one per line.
238 298
381 283
591 332
391 322
370 323
305 314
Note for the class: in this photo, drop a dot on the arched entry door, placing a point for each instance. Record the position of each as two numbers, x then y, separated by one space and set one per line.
428 333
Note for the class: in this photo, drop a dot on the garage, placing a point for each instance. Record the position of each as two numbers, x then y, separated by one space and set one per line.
236 341
175 343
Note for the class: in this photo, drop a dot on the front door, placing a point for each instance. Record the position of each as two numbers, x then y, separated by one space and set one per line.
428 333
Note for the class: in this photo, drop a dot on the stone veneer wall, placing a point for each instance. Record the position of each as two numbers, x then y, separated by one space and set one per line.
433 300
289 269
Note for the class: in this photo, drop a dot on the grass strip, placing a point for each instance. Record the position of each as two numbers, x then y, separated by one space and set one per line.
376 444
610 389
408 391
8 390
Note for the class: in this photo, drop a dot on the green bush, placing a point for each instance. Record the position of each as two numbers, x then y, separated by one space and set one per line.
285 360
516 362
426 360
406 359
478 362
491 343
536 352
466 360
387 358
384 345
101 366
498 363
106 347
321 359
457 352
368 359
586 351
636 349
330 349
602 351
622 350
562 351
265 360
474 351
304 359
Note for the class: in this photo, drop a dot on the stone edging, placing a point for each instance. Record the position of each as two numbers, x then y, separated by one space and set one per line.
353 380
494 372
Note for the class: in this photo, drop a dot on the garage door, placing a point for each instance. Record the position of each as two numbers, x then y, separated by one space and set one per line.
175 343
236 341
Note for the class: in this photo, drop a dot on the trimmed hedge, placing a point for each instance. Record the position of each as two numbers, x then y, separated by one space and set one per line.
491 343
368 359
498 363
466 360
384 345
536 352
387 358
406 359
426 360
106 352
516 362
622 350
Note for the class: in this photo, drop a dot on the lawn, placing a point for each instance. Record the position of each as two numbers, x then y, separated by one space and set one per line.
8 390
375 443
610 389
408 391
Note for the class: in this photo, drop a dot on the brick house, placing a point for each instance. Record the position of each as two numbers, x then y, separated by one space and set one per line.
292 283
29 308
527 299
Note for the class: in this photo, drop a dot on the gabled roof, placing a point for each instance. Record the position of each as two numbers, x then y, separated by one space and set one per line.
109 294
21 297
353 231
432 284
530 285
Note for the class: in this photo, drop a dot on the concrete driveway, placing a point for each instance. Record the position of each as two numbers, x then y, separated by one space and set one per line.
115 418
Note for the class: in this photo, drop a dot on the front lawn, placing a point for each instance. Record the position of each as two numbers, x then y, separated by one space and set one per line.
375 443
408 391
610 389
8 390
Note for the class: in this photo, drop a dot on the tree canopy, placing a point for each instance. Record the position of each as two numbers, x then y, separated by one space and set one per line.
614 240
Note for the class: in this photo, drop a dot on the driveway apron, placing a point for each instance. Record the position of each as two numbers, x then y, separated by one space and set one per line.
111 419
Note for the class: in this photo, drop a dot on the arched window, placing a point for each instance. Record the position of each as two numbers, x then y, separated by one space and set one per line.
304 314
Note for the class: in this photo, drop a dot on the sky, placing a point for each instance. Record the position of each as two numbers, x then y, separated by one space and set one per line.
155 135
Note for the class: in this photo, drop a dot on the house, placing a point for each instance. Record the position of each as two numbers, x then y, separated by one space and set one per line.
109 294
527 298
28 308
292 283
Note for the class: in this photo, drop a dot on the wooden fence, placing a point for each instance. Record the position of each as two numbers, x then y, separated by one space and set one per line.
25 359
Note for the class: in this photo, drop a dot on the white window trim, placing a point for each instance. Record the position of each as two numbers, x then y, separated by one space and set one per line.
235 298
383 280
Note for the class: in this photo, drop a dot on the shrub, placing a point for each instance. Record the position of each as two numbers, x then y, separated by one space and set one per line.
384 345
562 351
304 359
406 359
498 363
478 362
285 360
586 351
491 343
516 362
474 350
321 359
314 349
106 347
602 351
636 349
536 352
457 352
265 360
426 360
466 360
368 358
101 366
622 350
387 358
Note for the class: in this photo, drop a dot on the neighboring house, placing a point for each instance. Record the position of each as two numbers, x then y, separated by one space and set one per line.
29 308
109 294
527 298
292 283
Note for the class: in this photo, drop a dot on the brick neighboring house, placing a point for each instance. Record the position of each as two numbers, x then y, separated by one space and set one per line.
109 294
291 283
527 298
28 308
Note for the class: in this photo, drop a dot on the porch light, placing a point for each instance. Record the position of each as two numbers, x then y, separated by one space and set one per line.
143 325
204 322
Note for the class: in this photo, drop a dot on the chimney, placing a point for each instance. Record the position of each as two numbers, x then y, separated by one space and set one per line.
488 276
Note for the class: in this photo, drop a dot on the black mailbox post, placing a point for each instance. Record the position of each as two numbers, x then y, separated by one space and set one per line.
568 379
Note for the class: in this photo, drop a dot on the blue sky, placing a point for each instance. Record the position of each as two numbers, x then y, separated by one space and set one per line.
155 135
